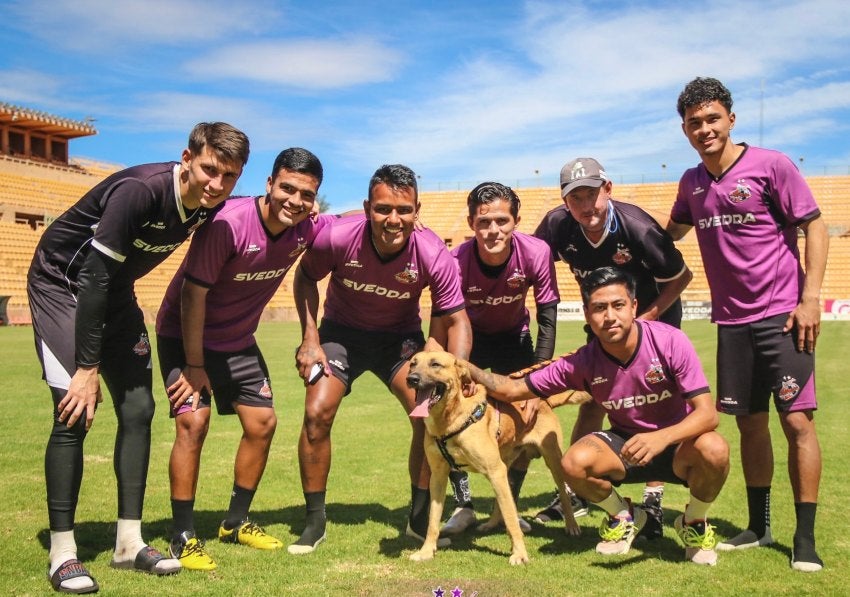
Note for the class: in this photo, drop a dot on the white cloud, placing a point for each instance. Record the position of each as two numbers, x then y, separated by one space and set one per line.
115 24
306 63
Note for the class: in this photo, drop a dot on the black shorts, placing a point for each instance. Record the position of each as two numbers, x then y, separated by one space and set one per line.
755 360
659 468
502 353
236 377
352 352
125 349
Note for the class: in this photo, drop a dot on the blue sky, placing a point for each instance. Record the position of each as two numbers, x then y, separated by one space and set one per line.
460 91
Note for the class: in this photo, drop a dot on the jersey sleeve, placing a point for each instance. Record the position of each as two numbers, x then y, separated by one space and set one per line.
559 376
665 261
127 207
545 282
318 261
212 246
792 196
681 210
685 366
444 283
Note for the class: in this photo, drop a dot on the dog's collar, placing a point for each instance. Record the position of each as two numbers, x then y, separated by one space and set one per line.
473 418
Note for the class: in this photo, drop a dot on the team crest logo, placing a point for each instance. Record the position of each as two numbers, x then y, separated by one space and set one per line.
516 279
622 256
409 276
266 390
408 348
300 248
741 192
570 248
789 389
655 373
143 346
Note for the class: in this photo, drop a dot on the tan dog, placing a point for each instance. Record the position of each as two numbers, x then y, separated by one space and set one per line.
476 433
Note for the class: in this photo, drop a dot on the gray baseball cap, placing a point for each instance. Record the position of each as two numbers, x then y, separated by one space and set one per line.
582 172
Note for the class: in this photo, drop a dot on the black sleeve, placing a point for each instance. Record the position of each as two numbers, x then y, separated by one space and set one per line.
546 323
94 279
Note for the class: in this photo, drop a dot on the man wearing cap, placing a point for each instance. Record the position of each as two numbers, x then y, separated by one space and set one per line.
592 230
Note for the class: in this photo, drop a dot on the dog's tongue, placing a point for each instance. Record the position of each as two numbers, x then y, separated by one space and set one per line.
421 409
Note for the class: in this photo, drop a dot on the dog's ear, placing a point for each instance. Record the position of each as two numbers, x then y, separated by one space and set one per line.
463 372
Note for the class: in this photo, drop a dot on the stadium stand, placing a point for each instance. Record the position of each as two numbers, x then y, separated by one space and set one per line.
38 182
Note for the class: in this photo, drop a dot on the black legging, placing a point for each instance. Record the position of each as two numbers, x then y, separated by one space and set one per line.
63 462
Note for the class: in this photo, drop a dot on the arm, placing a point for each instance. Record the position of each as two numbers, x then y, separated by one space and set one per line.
643 447
306 292
806 315
84 390
193 379
501 387
546 328
452 331
670 292
677 230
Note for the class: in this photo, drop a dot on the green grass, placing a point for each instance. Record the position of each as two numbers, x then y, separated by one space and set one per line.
368 495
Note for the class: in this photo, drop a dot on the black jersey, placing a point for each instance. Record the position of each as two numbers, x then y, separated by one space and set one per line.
633 241
134 216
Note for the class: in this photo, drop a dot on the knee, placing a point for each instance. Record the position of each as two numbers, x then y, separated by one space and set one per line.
713 451
798 426
575 465
317 425
192 430
263 426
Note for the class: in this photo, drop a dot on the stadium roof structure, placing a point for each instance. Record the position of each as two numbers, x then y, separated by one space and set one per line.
37 121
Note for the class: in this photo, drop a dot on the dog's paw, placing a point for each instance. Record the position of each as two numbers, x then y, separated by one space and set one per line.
573 530
423 555
518 559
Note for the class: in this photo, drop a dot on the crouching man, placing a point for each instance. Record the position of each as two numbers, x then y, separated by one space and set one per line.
648 378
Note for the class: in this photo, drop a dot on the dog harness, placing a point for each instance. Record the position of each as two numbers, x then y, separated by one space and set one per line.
473 418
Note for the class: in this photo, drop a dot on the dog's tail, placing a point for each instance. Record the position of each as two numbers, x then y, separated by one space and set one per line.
568 397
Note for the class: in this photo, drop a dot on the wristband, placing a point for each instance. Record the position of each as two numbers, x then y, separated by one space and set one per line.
188 366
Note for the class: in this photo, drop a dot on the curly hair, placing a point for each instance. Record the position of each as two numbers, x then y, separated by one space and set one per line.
703 90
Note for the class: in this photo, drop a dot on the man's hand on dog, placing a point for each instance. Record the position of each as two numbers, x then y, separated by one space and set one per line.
528 409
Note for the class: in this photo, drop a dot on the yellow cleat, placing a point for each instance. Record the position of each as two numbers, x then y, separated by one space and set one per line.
250 534
189 550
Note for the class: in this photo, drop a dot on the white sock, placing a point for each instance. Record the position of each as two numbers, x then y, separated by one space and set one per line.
63 547
615 505
128 539
696 509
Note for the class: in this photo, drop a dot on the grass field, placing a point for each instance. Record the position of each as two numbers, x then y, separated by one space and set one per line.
366 552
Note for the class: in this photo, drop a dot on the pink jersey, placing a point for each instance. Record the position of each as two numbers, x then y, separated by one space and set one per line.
649 392
495 300
746 224
368 293
242 264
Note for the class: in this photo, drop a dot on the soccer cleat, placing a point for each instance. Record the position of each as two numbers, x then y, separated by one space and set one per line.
250 534
555 511
745 540
460 520
655 515
191 553
618 533
698 537
441 541
801 566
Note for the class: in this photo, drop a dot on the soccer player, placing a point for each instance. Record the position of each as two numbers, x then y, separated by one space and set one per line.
748 205
497 268
87 322
378 265
593 230
205 336
647 377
